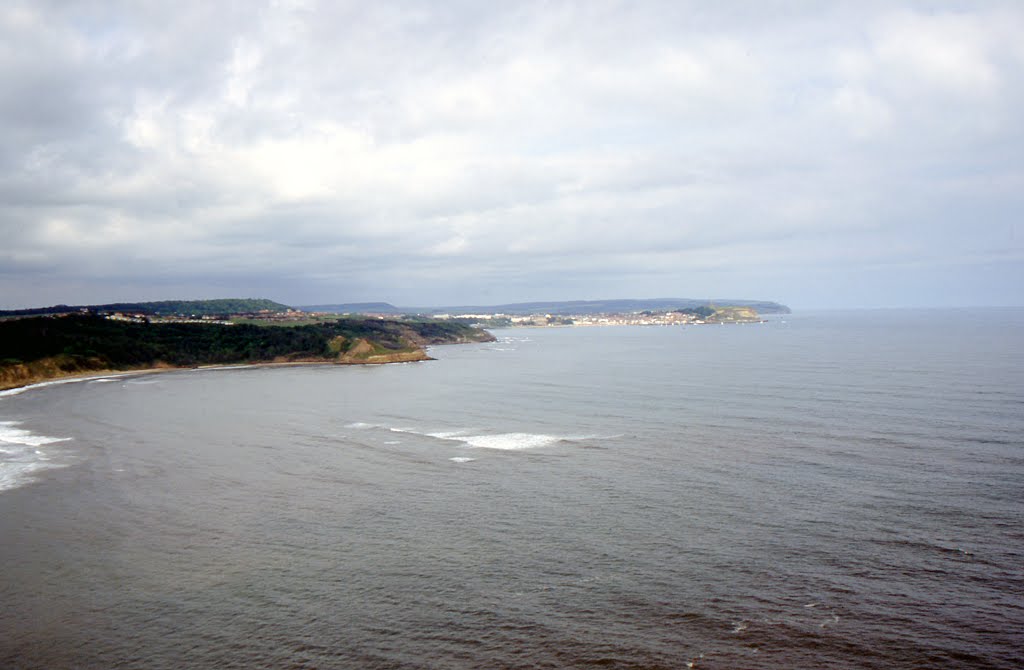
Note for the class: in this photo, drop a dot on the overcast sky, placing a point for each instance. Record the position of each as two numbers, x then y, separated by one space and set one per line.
821 154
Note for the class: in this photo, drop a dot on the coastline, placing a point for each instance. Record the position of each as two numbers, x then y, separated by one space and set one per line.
91 375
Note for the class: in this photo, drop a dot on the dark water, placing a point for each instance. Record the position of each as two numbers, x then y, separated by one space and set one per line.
833 490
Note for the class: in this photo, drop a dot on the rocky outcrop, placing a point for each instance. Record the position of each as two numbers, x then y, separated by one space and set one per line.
361 351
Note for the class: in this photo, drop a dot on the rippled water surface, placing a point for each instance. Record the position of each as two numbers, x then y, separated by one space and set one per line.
838 490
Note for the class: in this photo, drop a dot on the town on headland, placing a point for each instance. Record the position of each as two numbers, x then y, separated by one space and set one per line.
45 343
674 317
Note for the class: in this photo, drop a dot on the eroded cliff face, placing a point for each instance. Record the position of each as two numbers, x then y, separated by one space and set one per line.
362 351
52 367
25 374
21 375
36 349
395 357
63 367
734 315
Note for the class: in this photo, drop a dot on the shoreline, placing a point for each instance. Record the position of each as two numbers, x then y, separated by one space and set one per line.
77 346
92 375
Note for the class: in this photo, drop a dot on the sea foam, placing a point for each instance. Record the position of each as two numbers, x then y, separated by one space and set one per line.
9 434
476 438
510 441
22 455
505 441
57 382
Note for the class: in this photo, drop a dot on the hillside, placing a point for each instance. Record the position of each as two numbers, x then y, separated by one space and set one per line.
558 308
733 315
620 306
38 348
162 307
355 308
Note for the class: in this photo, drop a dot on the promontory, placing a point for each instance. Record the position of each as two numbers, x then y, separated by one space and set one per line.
39 348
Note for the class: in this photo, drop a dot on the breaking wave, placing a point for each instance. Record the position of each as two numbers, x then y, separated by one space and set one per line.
22 454
468 437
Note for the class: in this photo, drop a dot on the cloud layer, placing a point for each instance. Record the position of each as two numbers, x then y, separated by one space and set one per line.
842 154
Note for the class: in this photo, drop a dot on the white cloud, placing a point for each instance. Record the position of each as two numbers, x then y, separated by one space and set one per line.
866 115
532 145
945 52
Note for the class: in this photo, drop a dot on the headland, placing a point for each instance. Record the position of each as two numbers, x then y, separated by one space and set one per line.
35 349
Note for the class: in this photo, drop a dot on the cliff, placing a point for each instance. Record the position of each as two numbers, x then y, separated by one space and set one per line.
362 351
41 348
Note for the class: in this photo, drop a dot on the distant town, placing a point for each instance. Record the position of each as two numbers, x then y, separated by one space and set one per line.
675 317
265 312
44 343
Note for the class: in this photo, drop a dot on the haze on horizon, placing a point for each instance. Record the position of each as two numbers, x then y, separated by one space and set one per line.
842 154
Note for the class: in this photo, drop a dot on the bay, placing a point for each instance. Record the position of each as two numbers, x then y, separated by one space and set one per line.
839 489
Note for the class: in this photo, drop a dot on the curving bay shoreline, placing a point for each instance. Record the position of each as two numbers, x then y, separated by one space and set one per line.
91 375
41 349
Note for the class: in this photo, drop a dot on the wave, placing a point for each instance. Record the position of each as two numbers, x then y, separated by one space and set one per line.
470 437
9 434
510 441
21 455
69 380
55 382
448 434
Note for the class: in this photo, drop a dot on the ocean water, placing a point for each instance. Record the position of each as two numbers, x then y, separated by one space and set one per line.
826 490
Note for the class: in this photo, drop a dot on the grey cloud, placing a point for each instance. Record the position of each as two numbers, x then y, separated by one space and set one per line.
421 152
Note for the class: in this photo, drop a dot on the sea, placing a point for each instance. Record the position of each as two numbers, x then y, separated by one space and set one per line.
823 490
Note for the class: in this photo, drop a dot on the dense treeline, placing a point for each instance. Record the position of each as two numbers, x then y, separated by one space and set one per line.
164 307
391 334
93 342
703 311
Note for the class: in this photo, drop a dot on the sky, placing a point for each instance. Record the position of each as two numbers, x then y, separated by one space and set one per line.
819 154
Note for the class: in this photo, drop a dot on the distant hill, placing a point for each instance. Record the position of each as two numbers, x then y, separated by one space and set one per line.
355 308
163 307
560 308
620 305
